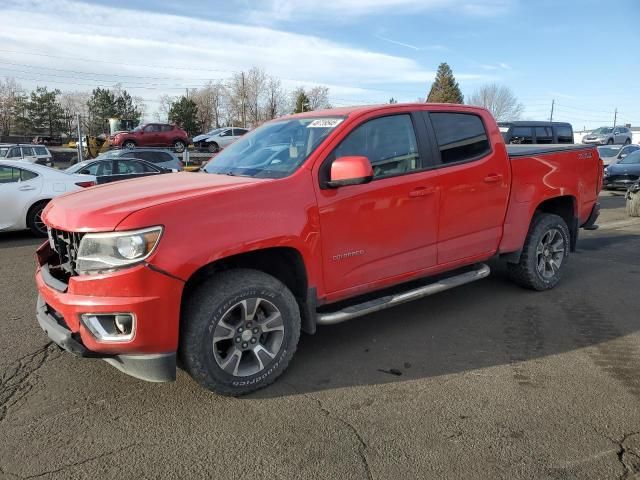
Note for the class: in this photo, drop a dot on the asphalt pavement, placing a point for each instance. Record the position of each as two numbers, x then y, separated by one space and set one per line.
484 381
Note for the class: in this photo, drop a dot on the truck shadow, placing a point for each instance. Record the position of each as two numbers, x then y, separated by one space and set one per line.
486 324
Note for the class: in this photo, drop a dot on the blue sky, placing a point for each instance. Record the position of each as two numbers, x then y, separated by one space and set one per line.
584 55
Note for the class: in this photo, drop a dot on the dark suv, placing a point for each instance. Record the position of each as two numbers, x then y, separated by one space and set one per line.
158 156
524 132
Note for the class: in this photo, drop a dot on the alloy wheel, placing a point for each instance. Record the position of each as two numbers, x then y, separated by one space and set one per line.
550 253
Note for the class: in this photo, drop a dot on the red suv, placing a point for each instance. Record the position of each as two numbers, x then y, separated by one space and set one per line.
152 135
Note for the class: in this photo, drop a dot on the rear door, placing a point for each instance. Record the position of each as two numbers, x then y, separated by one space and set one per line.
125 169
151 136
386 228
225 137
474 186
19 188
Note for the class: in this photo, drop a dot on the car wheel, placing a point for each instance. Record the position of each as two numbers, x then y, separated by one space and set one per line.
179 146
34 219
129 144
544 254
627 141
213 147
610 141
239 331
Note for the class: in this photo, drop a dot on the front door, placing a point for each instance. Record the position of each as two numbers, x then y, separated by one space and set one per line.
388 227
18 189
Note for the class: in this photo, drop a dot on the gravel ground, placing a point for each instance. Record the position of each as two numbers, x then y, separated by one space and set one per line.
484 381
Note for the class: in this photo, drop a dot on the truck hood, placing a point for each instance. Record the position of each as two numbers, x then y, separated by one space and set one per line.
103 207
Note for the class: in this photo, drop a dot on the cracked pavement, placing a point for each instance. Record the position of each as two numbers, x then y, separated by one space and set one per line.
484 381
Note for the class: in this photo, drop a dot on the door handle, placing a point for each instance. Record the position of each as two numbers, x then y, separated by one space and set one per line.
493 178
26 188
421 192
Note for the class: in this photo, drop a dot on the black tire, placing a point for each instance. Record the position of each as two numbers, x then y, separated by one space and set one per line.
610 141
34 221
627 141
211 304
213 147
179 146
129 145
526 272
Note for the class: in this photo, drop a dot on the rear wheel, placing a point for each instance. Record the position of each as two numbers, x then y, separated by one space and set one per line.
34 219
627 141
213 147
179 146
129 144
239 331
610 141
544 254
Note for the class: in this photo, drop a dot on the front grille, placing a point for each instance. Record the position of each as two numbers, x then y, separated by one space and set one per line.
66 245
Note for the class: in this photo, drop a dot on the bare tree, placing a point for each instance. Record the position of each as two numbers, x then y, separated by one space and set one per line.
276 99
73 103
499 100
210 101
237 99
318 98
164 105
10 91
256 91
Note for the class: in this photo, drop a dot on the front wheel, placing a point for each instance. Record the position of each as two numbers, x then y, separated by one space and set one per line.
610 141
239 331
627 141
128 145
544 254
179 146
213 147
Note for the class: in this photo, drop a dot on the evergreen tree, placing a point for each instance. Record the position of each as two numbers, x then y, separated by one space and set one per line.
105 104
184 113
445 89
393 100
44 111
302 103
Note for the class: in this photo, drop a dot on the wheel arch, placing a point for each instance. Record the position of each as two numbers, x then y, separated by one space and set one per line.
284 263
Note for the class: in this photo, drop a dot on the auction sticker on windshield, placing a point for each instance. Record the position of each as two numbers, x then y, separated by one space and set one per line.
325 123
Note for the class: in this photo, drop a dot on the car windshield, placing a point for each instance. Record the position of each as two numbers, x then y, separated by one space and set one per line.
631 158
78 166
608 151
139 128
213 132
602 131
275 150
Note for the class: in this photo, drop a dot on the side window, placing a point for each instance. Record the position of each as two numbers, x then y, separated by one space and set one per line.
388 142
544 135
14 153
460 136
152 128
521 135
27 151
26 175
163 157
149 156
225 133
41 151
167 128
147 168
94 169
240 131
564 134
8 175
126 167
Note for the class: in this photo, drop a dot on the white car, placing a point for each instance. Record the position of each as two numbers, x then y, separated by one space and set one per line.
26 188
217 139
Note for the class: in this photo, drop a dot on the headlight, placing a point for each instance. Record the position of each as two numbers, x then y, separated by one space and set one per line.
104 252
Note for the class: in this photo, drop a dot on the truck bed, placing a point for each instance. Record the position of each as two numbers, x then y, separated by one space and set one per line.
537 149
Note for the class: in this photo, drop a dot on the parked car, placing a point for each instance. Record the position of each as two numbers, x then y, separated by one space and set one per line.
198 138
160 157
624 173
38 154
152 135
608 136
46 140
291 225
528 132
26 188
107 170
220 139
611 154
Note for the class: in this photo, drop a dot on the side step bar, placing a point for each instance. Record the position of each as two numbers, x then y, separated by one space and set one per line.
481 271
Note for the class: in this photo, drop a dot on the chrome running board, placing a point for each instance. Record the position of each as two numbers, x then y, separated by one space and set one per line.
365 308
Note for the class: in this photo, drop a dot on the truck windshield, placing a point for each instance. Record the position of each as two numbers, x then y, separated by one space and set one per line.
275 150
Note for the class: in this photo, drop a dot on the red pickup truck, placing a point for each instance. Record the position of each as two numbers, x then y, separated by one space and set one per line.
310 219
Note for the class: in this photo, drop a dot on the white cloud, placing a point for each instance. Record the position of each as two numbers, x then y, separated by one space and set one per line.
497 66
410 46
182 52
286 10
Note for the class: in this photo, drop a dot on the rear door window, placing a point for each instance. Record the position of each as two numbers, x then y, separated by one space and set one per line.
167 128
41 151
9 175
521 135
460 136
26 175
544 135
14 153
564 134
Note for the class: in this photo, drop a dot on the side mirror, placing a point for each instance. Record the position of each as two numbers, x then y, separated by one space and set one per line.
350 171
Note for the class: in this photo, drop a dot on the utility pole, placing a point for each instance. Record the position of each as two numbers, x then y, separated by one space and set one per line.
79 143
615 117
242 95
553 102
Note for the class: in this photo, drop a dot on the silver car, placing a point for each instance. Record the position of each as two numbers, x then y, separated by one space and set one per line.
38 154
221 138
608 136
612 154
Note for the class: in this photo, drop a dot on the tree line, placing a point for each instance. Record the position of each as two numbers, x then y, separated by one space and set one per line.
246 99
